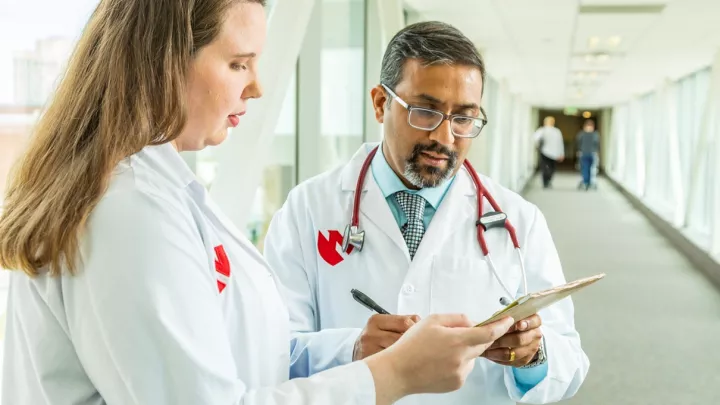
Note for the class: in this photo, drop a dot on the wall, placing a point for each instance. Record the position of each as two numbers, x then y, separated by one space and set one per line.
664 150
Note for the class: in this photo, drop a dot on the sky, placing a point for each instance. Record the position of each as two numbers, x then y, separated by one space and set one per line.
23 22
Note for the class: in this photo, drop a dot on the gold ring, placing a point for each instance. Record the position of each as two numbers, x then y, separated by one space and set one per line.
512 355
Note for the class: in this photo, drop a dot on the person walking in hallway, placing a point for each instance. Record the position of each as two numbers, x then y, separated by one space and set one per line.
549 141
587 144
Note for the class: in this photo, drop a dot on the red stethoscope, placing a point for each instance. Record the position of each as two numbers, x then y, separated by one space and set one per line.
354 238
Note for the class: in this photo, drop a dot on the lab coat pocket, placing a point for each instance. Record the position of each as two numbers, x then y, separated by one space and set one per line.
466 285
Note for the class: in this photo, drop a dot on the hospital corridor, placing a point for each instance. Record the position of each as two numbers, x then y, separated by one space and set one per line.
340 177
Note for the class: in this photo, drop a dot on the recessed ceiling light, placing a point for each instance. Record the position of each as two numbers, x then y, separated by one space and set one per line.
593 75
589 58
602 57
587 114
593 42
614 41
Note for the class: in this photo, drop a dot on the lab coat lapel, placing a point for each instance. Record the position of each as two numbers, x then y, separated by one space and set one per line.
455 206
200 195
373 205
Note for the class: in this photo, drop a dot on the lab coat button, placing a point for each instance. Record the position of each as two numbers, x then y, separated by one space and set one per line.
408 289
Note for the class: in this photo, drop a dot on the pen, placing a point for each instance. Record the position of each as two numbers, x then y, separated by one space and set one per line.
367 302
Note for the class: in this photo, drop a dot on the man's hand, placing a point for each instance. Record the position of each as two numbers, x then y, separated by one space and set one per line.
523 339
381 332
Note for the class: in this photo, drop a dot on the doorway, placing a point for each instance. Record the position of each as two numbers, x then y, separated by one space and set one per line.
570 123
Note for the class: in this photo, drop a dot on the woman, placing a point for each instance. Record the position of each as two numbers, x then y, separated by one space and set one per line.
134 287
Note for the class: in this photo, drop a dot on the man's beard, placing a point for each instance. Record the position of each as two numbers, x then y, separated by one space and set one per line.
422 176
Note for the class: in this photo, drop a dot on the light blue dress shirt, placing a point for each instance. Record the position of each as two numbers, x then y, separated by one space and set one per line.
389 184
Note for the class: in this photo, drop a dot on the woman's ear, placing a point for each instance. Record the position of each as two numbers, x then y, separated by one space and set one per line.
379 100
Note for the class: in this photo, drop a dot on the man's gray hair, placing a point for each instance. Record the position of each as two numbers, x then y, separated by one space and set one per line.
431 43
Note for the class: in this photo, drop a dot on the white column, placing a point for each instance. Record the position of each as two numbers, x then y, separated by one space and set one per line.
704 141
670 124
502 112
392 18
713 137
531 152
512 152
639 140
383 20
480 147
243 155
375 45
310 154
621 124
606 135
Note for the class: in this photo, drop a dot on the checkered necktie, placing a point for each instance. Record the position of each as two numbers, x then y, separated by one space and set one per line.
414 207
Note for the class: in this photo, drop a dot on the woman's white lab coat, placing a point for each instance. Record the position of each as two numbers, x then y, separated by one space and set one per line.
171 306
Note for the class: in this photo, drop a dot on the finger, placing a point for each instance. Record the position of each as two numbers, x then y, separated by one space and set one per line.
392 323
486 334
517 339
528 323
385 339
522 355
516 363
532 322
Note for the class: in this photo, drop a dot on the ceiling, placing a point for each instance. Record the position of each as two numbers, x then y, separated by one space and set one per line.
583 53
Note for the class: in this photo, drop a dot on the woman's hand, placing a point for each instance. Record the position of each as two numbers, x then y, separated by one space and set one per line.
434 356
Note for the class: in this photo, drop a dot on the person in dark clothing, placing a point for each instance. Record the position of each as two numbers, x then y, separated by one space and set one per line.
587 146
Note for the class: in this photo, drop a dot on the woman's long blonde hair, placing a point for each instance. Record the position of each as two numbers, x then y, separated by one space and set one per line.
124 89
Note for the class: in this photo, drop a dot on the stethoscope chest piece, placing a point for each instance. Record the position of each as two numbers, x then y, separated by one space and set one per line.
353 238
492 219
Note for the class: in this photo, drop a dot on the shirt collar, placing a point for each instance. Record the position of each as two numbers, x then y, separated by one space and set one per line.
390 183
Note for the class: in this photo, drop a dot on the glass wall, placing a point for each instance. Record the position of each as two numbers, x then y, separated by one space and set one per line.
342 85
279 175
663 150
321 123
504 150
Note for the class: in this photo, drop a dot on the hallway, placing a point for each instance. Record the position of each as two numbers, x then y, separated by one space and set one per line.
651 327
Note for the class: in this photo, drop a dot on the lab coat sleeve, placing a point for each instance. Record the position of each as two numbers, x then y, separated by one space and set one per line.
567 364
146 320
287 250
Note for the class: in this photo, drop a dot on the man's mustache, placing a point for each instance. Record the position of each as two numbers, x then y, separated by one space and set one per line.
434 147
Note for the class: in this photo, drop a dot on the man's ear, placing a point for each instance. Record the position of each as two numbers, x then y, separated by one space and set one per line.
379 101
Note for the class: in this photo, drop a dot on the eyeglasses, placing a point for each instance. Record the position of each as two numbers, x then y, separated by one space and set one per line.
427 119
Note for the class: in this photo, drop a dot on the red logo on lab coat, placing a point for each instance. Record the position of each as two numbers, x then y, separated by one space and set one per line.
222 267
328 247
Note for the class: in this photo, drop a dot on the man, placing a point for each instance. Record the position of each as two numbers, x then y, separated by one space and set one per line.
420 254
587 144
552 149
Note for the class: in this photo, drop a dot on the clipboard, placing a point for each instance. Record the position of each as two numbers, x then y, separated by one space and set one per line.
530 304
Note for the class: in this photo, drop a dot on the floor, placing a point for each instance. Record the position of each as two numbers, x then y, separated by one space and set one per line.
651 328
